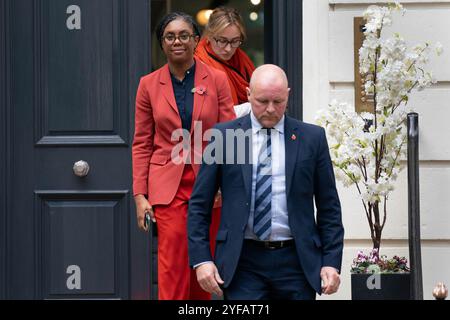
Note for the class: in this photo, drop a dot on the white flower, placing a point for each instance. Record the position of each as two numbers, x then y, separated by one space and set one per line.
439 48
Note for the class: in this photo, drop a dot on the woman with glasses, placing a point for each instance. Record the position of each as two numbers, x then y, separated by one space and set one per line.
184 98
219 48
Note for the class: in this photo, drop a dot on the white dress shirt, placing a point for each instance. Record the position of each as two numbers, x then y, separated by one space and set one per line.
280 224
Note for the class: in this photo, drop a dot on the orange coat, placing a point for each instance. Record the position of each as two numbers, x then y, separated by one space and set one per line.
238 69
154 174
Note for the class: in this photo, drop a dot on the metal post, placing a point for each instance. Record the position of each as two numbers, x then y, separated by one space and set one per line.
415 256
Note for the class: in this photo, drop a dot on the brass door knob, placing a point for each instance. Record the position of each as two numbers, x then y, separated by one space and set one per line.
81 168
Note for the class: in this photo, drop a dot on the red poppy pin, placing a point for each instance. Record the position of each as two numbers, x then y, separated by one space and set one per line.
293 137
201 90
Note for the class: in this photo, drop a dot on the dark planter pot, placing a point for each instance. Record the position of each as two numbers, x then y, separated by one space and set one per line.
393 286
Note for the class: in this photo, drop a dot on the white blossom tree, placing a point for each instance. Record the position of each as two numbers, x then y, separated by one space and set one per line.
366 148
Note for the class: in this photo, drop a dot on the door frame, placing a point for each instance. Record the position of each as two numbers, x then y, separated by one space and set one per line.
4 141
140 256
283 46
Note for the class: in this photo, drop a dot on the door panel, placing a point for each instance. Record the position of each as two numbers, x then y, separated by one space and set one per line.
80 86
83 100
81 237
72 98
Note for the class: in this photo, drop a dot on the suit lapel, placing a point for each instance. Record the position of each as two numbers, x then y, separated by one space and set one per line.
247 167
291 142
167 88
200 81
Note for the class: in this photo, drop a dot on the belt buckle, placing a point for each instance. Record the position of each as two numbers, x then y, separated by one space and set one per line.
273 245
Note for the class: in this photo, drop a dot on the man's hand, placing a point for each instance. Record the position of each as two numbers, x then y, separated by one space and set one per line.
330 279
209 279
143 207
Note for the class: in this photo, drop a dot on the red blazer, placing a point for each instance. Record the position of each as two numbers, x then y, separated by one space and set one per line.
154 174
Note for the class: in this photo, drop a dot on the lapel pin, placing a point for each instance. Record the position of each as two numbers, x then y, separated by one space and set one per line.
200 90
293 137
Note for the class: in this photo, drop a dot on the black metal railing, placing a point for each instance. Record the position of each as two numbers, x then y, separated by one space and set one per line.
415 256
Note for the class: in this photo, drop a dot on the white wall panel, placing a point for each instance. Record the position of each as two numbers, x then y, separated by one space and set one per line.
434 25
368 2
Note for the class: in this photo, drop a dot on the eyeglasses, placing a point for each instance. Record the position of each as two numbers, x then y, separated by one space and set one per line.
171 38
222 43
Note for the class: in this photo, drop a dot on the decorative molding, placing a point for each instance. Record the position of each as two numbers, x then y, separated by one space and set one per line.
85 194
121 103
40 251
120 134
80 140
40 99
283 46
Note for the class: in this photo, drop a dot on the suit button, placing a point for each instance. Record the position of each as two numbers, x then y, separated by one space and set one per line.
246 203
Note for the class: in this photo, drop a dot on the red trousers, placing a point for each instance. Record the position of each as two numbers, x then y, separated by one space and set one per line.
176 280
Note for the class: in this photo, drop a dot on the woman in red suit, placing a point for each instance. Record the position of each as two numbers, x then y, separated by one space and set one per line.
183 94
224 34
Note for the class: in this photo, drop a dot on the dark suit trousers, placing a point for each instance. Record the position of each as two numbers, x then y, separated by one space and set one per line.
268 274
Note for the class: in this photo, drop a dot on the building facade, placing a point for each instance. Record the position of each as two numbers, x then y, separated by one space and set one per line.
328 68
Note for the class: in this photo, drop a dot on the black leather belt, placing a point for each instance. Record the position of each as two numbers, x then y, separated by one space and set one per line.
272 244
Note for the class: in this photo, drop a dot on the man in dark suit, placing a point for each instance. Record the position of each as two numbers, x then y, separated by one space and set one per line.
270 245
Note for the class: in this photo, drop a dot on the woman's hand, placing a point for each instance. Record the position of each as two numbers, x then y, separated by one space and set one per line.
218 196
143 207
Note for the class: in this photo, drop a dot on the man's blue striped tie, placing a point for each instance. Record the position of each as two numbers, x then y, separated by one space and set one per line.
262 222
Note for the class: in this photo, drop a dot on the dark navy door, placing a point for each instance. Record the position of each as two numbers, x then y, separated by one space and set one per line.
71 72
